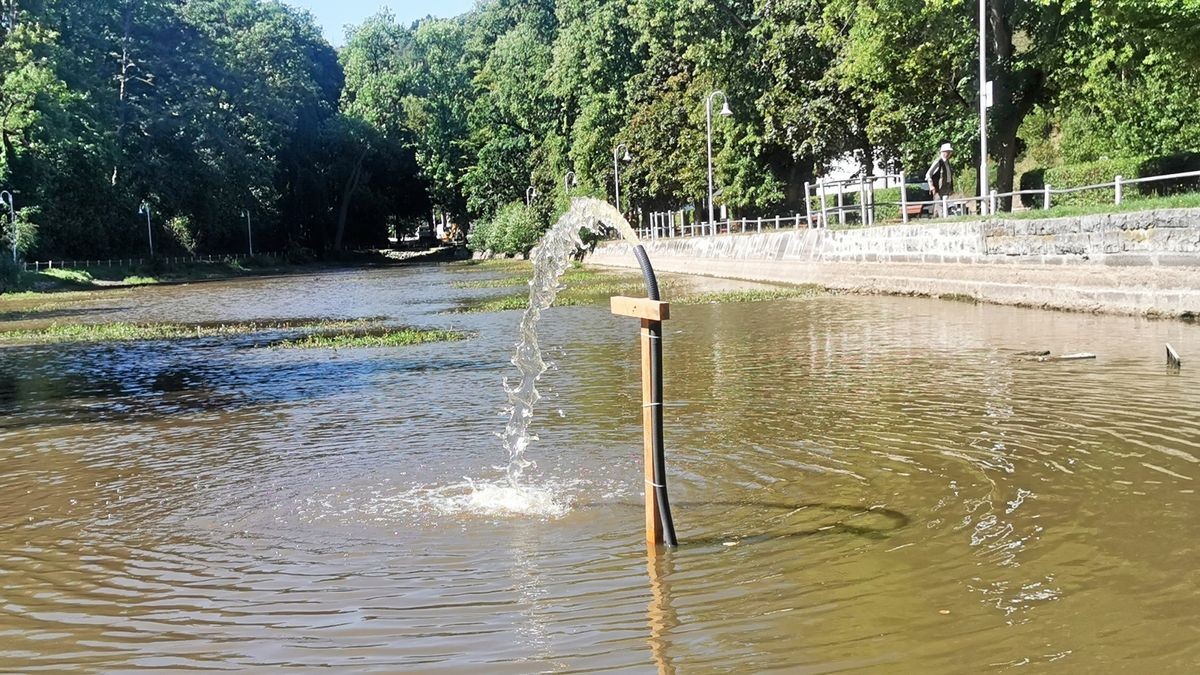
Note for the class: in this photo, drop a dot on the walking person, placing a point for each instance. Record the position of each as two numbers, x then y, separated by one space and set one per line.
940 177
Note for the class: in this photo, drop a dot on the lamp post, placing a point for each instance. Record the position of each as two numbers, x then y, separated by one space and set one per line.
249 234
145 208
617 169
530 193
725 112
569 180
6 199
985 102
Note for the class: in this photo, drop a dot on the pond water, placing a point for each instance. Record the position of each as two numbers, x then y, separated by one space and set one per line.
859 483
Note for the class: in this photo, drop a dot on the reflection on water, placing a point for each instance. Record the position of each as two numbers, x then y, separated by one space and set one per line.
862 483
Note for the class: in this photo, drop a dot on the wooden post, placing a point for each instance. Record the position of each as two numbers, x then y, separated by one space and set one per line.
652 313
654 533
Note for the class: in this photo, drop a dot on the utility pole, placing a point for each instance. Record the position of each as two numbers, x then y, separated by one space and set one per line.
985 101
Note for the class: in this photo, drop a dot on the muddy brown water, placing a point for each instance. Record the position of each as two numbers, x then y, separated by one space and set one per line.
860 484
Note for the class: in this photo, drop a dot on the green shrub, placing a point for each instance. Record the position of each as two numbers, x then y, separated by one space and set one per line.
1106 171
1034 179
481 238
1090 173
514 230
1160 166
913 192
520 230
179 230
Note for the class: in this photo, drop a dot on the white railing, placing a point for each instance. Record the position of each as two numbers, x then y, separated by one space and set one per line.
670 228
830 197
39 265
953 206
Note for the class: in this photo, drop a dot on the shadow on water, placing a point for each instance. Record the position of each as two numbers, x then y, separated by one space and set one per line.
47 314
135 382
662 618
895 520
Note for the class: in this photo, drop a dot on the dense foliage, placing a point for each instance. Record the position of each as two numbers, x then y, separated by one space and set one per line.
203 108
200 109
518 92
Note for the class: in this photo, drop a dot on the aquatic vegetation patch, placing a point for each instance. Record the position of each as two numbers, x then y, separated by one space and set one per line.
593 287
583 287
502 282
751 295
133 332
385 337
570 278
510 265
959 297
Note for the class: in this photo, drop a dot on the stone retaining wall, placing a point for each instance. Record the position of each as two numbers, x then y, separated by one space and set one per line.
1141 263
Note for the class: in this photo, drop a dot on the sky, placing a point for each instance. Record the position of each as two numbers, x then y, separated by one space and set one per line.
334 15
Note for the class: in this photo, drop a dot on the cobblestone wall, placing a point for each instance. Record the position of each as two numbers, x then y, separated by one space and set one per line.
1165 237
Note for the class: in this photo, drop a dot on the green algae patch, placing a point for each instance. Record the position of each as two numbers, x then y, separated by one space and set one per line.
751 295
509 265
590 287
503 282
137 332
400 337
582 287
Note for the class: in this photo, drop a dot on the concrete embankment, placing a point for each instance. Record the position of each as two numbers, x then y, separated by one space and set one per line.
1145 263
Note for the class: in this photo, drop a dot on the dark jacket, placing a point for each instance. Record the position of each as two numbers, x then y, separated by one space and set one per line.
940 178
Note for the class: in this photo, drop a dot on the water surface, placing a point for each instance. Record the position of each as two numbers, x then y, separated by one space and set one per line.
860 483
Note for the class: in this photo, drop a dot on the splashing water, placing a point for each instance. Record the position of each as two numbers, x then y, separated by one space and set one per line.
550 259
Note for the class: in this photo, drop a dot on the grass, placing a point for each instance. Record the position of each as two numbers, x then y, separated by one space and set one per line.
63 280
503 282
497 264
1133 203
959 297
315 333
583 287
591 287
132 332
402 337
752 295
76 278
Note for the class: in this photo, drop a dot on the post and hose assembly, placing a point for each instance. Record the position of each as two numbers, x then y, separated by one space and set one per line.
656 403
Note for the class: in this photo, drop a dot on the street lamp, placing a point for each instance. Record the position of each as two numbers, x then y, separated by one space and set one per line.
530 193
985 102
725 112
6 199
145 208
570 180
617 169
249 234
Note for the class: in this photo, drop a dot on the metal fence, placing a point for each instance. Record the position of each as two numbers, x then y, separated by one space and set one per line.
847 201
108 263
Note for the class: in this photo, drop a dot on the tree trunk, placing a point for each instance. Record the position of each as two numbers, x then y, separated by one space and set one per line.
1016 93
123 80
347 195
7 153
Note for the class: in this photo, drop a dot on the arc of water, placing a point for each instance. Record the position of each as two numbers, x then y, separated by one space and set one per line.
551 258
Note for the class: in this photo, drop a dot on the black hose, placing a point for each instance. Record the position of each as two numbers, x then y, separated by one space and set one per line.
639 252
656 405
